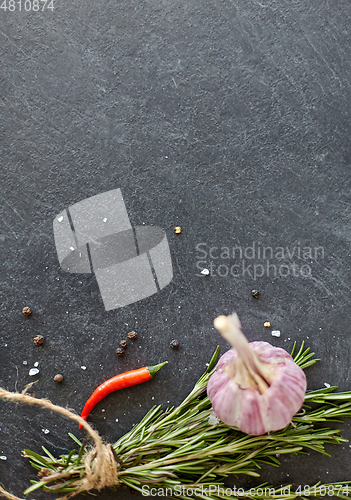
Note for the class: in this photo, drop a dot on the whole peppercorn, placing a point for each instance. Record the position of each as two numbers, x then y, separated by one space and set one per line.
255 293
38 340
174 344
26 311
132 335
119 352
177 230
123 343
58 378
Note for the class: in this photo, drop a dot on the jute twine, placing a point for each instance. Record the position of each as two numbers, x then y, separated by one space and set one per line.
100 463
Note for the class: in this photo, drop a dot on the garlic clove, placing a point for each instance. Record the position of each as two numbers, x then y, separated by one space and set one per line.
278 412
226 402
252 413
217 383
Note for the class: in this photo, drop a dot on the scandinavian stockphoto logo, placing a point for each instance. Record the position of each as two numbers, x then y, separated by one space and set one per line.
257 260
130 263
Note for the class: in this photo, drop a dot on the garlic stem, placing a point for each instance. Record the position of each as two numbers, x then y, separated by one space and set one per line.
230 328
248 366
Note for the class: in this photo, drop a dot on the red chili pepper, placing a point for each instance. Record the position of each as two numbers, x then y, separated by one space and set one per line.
120 381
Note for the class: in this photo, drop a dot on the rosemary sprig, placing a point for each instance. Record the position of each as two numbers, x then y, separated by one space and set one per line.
178 448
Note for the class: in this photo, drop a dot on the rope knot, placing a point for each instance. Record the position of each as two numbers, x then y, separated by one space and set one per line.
100 463
100 468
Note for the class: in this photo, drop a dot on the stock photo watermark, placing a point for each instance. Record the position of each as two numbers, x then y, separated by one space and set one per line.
26 5
95 235
264 493
257 260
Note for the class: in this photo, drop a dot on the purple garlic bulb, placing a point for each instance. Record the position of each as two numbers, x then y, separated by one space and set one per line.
256 387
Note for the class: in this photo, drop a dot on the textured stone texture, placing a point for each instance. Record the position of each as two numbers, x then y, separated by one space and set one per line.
228 118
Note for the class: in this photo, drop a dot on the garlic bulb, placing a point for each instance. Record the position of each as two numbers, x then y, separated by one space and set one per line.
257 387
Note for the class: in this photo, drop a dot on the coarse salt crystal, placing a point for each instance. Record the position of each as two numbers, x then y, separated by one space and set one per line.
83 367
3 457
71 248
206 272
36 364
326 384
46 431
25 362
104 220
60 219
276 333
33 371
213 420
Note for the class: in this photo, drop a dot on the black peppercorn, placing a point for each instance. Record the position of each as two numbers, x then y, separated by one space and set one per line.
119 352
174 344
255 293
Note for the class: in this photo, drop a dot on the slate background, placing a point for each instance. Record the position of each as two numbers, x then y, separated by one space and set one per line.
228 118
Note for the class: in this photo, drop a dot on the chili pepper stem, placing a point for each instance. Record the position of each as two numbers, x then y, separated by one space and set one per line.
155 369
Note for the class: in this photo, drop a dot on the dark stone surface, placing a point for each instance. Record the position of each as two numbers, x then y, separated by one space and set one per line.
228 118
